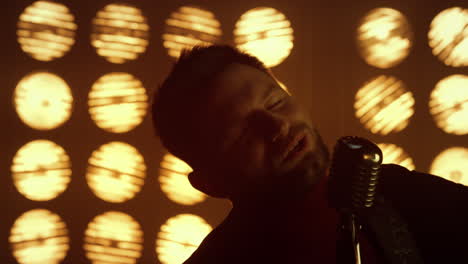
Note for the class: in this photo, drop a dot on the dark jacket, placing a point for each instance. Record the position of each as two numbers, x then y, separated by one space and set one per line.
434 211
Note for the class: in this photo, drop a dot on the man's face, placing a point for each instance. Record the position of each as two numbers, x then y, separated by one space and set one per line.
267 142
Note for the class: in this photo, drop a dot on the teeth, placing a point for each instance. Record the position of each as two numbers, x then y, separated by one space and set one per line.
297 147
292 149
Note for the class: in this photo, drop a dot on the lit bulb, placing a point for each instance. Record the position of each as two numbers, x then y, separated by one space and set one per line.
266 33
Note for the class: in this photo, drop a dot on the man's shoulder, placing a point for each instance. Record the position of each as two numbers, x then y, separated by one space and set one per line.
217 245
234 241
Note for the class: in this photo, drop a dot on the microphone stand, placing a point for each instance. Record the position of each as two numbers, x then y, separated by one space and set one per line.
350 251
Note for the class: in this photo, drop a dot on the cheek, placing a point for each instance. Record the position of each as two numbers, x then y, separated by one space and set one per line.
253 158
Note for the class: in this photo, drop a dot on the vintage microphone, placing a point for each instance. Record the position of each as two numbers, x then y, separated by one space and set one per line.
352 187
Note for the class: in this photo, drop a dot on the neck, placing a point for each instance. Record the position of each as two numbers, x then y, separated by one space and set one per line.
274 200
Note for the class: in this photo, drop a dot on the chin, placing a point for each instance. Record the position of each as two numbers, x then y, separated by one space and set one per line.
311 169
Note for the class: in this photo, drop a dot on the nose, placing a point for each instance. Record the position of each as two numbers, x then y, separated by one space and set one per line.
270 125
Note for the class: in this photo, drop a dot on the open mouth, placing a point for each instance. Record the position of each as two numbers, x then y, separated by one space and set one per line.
297 149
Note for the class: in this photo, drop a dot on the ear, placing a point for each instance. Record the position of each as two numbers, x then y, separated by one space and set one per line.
206 185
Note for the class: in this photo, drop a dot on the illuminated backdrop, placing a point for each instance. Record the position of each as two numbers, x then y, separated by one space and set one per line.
86 180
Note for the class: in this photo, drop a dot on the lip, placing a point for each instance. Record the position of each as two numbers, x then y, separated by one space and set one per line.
290 152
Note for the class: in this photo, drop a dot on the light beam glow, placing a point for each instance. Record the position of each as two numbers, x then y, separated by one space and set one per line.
116 172
43 100
113 237
384 37
39 236
46 30
384 105
120 33
174 182
265 33
396 155
41 170
117 102
452 164
190 26
179 237
449 104
448 36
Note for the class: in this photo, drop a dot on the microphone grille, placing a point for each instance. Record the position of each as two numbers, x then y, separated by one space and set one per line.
354 173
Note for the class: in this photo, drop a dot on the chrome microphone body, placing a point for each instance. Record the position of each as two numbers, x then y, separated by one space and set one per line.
352 186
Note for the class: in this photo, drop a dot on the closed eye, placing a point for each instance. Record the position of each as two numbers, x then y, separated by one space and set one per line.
276 104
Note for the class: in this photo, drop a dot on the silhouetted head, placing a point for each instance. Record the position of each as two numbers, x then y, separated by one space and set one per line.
224 113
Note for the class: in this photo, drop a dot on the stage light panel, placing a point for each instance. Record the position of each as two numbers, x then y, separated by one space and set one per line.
174 181
116 172
190 26
448 104
120 33
46 30
179 237
43 100
384 105
384 37
39 236
41 170
448 36
396 155
117 102
265 33
113 237
452 164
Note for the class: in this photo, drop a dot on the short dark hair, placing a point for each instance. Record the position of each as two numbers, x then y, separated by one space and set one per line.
188 82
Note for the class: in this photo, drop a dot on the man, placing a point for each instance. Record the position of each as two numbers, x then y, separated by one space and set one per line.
248 140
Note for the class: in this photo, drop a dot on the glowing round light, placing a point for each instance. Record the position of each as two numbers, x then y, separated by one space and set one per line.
384 37
120 33
265 33
384 105
39 236
46 30
449 104
190 26
43 100
113 237
396 155
448 36
116 172
41 170
174 182
452 164
117 102
179 237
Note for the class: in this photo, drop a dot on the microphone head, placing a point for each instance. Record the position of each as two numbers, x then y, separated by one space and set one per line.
354 174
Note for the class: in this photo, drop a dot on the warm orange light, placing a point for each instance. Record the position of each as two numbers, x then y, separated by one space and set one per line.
265 33
190 26
120 33
179 237
39 236
113 237
117 102
396 155
46 30
43 100
448 36
175 184
452 164
384 105
384 37
281 84
449 104
116 172
41 170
